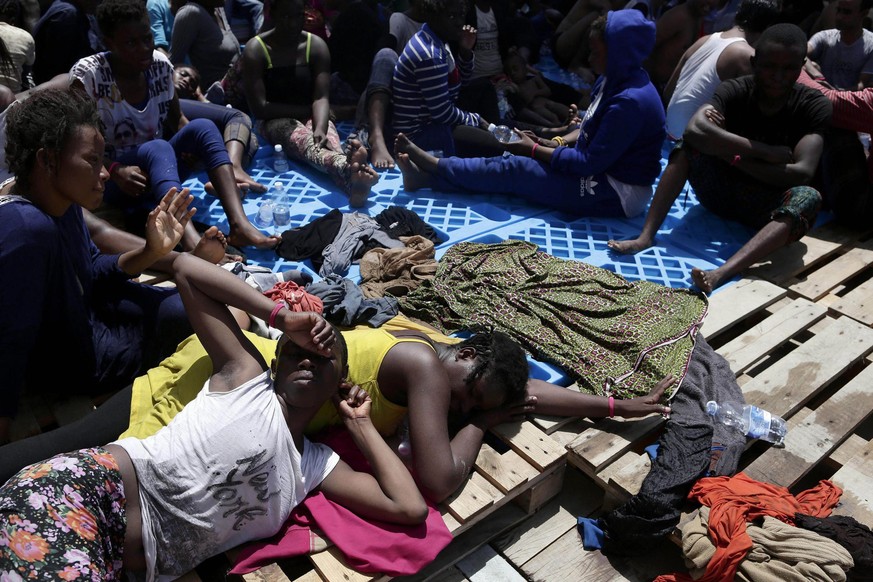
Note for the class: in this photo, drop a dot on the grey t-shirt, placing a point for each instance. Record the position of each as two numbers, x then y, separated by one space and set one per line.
204 38
842 64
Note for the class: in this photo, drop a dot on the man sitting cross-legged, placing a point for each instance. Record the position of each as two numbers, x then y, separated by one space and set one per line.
748 154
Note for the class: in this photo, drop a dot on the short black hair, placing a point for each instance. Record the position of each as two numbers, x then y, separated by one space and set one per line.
10 11
500 360
784 34
46 120
432 8
757 15
113 13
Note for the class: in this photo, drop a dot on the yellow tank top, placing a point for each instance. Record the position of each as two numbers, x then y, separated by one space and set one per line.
164 390
367 349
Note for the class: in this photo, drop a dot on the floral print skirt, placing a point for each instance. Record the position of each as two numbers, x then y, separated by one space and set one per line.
63 519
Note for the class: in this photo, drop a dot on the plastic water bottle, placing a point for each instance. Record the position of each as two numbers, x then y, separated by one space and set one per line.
752 421
280 162
501 133
264 217
281 206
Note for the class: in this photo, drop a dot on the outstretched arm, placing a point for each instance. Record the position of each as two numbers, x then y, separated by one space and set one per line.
390 493
164 228
207 290
558 401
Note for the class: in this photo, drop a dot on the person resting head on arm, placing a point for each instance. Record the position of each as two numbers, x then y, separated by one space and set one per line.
227 469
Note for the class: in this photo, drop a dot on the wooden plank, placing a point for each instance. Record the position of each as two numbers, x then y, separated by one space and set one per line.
272 573
331 565
771 333
531 443
550 485
786 263
580 496
787 385
850 447
738 302
855 478
549 424
809 441
469 500
625 476
595 448
841 269
566 560
486 565
497 523
506 471
857 303
450 574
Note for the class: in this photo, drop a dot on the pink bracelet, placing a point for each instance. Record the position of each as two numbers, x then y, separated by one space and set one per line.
279 306
736 160
533 150
611 407
112 166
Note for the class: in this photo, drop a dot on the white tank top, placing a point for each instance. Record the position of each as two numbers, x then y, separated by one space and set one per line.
697 83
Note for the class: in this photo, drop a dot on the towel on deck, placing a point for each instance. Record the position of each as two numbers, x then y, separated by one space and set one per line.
368 546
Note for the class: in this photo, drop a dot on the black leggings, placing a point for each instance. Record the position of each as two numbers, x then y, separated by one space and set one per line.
95 429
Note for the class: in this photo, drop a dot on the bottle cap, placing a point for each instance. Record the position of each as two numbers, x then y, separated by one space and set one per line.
711 407
277 148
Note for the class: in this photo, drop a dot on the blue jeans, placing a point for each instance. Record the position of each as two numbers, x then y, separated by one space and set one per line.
532 180
163 162
381 76
232 123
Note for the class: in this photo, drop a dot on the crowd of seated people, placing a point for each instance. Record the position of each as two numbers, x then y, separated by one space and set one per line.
113 104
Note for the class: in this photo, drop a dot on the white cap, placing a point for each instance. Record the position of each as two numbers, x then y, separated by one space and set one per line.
277 148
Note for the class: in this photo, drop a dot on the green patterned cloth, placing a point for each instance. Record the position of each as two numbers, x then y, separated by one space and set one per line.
609 334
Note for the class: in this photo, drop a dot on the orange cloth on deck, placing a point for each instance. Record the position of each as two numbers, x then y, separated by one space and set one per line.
738 499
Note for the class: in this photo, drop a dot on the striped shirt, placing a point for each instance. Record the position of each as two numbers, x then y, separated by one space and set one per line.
426 85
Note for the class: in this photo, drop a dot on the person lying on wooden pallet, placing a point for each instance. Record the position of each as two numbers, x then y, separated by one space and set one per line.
405 367
227 470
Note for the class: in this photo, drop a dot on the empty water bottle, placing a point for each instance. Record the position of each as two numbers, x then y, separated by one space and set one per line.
752 421
264 217
280 162
281 206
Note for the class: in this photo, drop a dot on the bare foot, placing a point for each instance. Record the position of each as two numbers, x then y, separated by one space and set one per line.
380 155
211 246
246 182
422 160
413 177
246 235
629 247
706 281
362 178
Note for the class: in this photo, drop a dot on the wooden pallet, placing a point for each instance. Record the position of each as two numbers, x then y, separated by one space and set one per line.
798 360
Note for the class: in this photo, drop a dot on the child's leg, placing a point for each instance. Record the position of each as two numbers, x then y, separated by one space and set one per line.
201 140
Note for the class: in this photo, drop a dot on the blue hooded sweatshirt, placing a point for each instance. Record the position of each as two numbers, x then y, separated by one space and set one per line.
623 136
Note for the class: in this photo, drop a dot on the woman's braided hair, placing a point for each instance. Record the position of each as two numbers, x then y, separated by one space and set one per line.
501 359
